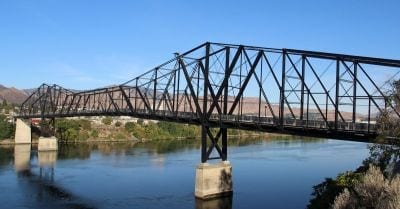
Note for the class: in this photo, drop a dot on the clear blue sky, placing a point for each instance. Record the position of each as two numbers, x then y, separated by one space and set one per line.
92 43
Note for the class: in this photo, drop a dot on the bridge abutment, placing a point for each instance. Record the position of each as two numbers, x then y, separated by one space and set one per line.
23 133
213 180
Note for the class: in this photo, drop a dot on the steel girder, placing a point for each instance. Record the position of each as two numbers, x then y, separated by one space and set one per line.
223 85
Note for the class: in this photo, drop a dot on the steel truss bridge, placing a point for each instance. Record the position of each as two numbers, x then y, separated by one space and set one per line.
242 87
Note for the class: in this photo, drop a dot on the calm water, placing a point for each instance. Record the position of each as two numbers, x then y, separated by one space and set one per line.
276 173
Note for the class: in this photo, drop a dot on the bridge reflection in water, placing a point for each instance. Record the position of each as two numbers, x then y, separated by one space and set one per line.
120 175
48 192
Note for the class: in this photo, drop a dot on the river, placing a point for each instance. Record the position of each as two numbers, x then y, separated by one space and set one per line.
267 173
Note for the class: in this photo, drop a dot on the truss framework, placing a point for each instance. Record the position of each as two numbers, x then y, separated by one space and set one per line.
234 86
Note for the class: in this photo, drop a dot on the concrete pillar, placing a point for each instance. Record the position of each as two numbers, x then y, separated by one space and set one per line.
22 157
47 144
213 180
22 132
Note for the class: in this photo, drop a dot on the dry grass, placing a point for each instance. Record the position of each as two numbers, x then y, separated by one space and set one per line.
375 191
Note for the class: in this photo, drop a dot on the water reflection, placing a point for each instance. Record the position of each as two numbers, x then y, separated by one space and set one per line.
47 158
160 174
74 151
47 161
22 157
40 185
46 193
157 148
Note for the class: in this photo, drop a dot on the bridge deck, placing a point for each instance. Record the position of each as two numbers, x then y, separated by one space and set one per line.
359 131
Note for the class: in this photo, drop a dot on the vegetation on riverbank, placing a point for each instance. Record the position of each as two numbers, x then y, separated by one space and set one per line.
7 129
78 130
73 130
376 183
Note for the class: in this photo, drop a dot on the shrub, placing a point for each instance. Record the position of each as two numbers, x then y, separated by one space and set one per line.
6 128
95 133
85 124
374 191
120 136
118 124
129 126
83 135
107 120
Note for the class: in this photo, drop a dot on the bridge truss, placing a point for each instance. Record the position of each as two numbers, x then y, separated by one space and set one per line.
234 86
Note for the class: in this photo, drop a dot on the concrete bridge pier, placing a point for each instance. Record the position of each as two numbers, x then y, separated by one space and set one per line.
22 132
47 140
213 180
23 135
47 143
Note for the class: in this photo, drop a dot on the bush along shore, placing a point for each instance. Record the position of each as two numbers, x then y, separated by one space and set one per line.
83 130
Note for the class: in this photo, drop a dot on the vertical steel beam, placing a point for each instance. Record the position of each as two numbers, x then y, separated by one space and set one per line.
198 85
355 64
136 91
282 93
224 130
337 93
177 92
155 90
308 109
204 121
259 94
303 68
369 114
174 94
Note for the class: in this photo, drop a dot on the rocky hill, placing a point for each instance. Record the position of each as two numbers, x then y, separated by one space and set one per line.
12 95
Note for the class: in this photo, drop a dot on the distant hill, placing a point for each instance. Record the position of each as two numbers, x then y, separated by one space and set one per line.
12 95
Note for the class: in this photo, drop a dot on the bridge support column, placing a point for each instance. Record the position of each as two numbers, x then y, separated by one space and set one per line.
47 144
47 140
213 180
23 133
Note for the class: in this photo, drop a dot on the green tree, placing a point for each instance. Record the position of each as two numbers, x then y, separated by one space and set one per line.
67 130
324 193
6 128
71 134
107 120
129 126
